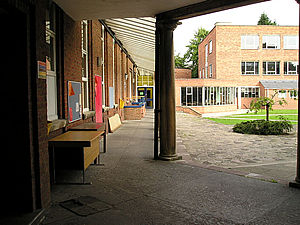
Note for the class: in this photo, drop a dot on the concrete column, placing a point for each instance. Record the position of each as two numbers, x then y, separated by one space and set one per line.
296 183
167 126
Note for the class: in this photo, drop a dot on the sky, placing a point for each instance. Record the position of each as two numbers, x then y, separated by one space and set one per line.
284 12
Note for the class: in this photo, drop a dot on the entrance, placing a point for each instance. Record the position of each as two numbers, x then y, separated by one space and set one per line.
146 94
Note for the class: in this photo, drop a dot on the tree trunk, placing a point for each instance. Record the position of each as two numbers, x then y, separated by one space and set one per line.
267 111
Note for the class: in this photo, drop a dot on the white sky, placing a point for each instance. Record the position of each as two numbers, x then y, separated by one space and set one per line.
284 12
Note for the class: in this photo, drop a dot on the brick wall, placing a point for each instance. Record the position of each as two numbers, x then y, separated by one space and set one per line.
211 59
72 57
230 55
183 73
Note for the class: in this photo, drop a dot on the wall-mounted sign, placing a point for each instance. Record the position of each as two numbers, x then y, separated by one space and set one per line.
74 100
41 69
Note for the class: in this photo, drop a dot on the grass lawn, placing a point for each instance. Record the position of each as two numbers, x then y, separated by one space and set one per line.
275 111
260 115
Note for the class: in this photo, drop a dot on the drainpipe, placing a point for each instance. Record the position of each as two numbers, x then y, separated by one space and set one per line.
296 183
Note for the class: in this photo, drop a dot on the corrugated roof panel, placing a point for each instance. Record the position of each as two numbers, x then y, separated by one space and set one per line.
138 37
280 84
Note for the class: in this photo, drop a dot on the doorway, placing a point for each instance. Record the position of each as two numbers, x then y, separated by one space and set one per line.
146 94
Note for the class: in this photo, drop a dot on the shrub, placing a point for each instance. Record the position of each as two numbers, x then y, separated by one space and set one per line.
263 127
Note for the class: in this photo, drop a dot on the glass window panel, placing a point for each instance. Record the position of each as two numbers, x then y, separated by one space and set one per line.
243 68
200 96
84 64
189 100
218 95
195 96
250 67
264 67
277 67
50 59
183 96
271 67
84 36
257 68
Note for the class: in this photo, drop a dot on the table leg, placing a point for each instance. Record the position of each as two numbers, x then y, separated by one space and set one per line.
104 142
53 164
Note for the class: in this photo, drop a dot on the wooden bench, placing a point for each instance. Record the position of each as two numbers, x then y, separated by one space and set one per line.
75 150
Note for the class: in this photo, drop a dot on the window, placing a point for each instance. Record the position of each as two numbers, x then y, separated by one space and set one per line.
191 96
271 68
249 42
206 61
210 47
271 42
84 67
291 68
210 71
250 92
251 68
203 76
51 64
291 42
293 94
282 94
204 96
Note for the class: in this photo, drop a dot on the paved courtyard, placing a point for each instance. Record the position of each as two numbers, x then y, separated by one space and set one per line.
215 145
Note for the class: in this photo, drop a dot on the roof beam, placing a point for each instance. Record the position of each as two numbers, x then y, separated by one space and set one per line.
202 8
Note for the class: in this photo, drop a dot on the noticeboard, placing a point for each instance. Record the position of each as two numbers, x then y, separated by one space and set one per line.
74 101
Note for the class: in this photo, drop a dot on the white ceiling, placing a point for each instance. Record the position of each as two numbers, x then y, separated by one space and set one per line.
136 32
103 9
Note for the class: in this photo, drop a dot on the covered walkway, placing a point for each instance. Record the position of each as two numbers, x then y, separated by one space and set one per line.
132 188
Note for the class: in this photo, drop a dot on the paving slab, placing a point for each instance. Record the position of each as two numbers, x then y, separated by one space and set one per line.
140 190
216 145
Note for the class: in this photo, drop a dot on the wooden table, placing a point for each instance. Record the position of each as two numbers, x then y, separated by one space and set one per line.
75 150
92 127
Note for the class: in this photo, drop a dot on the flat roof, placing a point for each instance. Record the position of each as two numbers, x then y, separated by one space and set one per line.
279 84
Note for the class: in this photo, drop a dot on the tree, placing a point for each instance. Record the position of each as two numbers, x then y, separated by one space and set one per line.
180 62
191 56
264 20
267 103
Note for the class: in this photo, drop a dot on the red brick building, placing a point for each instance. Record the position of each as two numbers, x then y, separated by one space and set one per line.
236 62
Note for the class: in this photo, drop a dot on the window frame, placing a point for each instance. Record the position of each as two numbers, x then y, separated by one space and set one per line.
288 46
250 92
286 70
207 96
52 100
267 72
210 71
293 94
282 94
255 66
245 39
210 47
85 76
266 45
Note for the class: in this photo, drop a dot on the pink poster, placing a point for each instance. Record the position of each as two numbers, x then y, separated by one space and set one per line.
98 100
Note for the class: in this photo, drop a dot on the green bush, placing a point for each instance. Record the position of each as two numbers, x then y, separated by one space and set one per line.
263 127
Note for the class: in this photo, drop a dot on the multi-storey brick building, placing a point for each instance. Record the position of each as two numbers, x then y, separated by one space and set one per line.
239 63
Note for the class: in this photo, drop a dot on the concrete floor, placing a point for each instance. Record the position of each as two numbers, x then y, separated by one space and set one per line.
135 189
132 188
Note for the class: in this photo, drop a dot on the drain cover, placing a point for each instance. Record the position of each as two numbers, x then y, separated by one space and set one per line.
85 205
